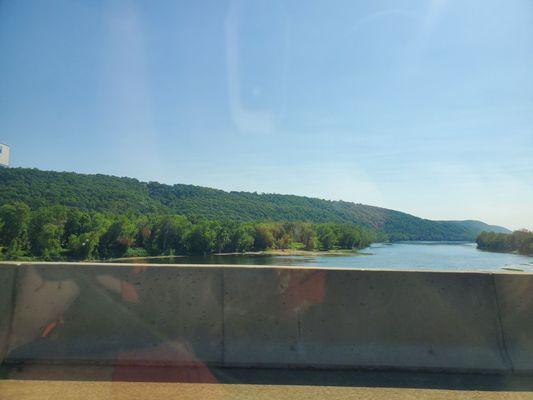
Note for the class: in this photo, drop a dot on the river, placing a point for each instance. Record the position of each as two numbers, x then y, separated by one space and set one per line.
404 255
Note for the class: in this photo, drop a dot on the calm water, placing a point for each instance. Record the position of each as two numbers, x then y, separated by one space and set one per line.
419 255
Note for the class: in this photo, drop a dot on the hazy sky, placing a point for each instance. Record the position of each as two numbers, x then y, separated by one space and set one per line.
420 106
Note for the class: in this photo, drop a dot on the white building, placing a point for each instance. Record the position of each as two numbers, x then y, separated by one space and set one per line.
4 155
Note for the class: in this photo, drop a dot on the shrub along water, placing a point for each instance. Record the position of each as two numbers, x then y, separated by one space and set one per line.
518 241
68 233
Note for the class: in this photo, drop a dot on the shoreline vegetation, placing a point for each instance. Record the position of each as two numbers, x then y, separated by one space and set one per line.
115 196
54 216
518 242
65 233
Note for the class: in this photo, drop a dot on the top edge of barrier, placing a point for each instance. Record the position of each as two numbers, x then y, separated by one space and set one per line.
279 267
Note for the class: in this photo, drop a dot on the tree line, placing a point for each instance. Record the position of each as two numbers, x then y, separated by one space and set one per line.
69 233
519 241
125 196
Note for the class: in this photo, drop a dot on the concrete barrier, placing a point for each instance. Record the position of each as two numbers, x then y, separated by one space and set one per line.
366 318
269 317
514 295
7 293
117 314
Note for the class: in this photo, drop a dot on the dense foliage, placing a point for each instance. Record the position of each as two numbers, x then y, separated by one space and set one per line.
110 195
60 232
519 241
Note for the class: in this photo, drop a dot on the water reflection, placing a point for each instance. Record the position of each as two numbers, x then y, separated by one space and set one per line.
408 255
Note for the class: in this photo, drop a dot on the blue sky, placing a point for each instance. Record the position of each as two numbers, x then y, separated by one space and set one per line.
420 106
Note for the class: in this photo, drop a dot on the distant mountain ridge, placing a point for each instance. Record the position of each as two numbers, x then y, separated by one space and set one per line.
110 194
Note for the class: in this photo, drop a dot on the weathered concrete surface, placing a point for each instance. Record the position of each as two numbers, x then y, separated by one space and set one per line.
363 318
7 292
117 314
273 317
515 301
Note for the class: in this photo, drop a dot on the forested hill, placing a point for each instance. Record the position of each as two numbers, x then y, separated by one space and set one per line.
114 195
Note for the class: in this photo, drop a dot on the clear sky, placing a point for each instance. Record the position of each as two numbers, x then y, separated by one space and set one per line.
419 106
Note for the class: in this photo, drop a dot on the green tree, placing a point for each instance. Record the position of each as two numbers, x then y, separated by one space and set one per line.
520 241
349 237
241 239
169 234
14 221
200 239
47 242
326 237
117 239
46 231
309 237
77 222
263 238
222 236
143 233
83 246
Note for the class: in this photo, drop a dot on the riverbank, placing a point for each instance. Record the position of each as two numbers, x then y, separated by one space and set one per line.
518 242
296 252
272 252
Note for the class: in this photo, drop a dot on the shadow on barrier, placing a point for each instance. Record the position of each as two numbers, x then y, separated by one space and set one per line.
205 324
